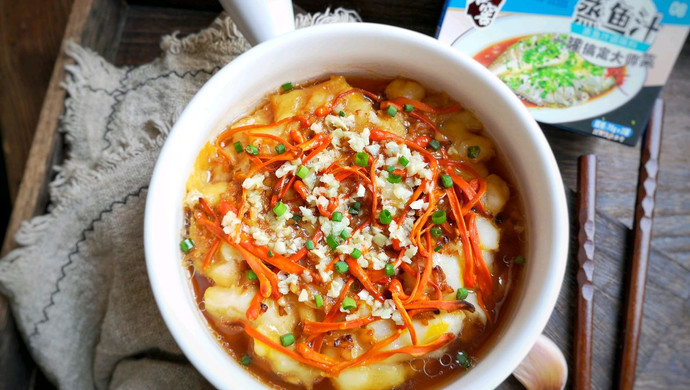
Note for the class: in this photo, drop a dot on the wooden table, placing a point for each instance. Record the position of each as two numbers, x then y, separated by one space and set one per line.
129 33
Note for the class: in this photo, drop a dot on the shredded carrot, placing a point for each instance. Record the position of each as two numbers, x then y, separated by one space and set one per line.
322 327
401 101
254 308
262 272
483 274
441 305
363 278
278 261
406 318
228 133
212 252
310 354
258 336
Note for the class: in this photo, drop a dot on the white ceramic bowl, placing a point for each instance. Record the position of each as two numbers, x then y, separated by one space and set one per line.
374 50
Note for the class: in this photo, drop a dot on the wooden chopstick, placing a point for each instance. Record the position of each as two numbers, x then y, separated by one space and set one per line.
642 232
586 201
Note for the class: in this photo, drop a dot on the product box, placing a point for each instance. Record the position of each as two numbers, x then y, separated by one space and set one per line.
590 66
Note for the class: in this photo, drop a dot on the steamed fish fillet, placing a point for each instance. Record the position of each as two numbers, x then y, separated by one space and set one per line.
568 84
529 53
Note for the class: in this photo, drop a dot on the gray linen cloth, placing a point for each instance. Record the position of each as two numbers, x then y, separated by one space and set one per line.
77 285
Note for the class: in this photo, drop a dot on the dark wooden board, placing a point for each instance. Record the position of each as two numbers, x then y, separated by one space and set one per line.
129 33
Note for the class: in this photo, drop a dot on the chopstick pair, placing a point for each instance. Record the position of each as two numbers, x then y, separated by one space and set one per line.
637 275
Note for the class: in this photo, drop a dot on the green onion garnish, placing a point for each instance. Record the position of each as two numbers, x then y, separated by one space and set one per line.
251 275
356 254
390 270
270 253
435 144
390 169
344 234
341 113
357 205
253 150
385 217
519 260
280 149
462 359
246 360
461 293
332 243
309 245
318 300
287 86
473 151
446 181
408 107
349 303
393 178
302 171
353 211
238 147
337 216
438 248
297 217
438 217
279 209
403 161
362 159
287 339
391 110
436 231
187 245
341 267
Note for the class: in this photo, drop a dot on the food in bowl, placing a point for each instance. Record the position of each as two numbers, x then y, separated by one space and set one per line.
353 233
541 70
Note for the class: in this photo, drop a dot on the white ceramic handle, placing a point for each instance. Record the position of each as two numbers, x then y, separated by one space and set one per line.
261 20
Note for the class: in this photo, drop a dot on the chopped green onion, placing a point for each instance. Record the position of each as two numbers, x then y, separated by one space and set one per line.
390 169
436 231
473 151
408 107
297 217
461 293
403 161
390 270
330 240
344 234
356 254
238 147
438 248
341 267
251 275
349 303
393 178
341 113
337 216
438 217
362 159
435 144
355 208
309 245
462 359
353 211
391 110
302 171
280 149
385 217
318 300
287 86
253 150
279 209
270 253
519 260
446 181
246 360
187 245
287 339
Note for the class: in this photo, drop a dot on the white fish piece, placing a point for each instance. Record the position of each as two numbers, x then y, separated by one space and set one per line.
532 52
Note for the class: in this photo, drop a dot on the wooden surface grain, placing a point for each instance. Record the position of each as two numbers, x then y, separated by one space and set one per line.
129 34
586 211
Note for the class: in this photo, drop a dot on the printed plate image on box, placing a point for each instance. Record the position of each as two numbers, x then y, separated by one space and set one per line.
532 56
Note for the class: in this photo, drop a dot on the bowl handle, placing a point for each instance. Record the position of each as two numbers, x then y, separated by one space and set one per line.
261 20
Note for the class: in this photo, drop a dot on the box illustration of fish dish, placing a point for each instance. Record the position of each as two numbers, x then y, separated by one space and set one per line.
590 66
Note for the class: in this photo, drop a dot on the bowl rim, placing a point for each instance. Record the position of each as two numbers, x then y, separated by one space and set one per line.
180 326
